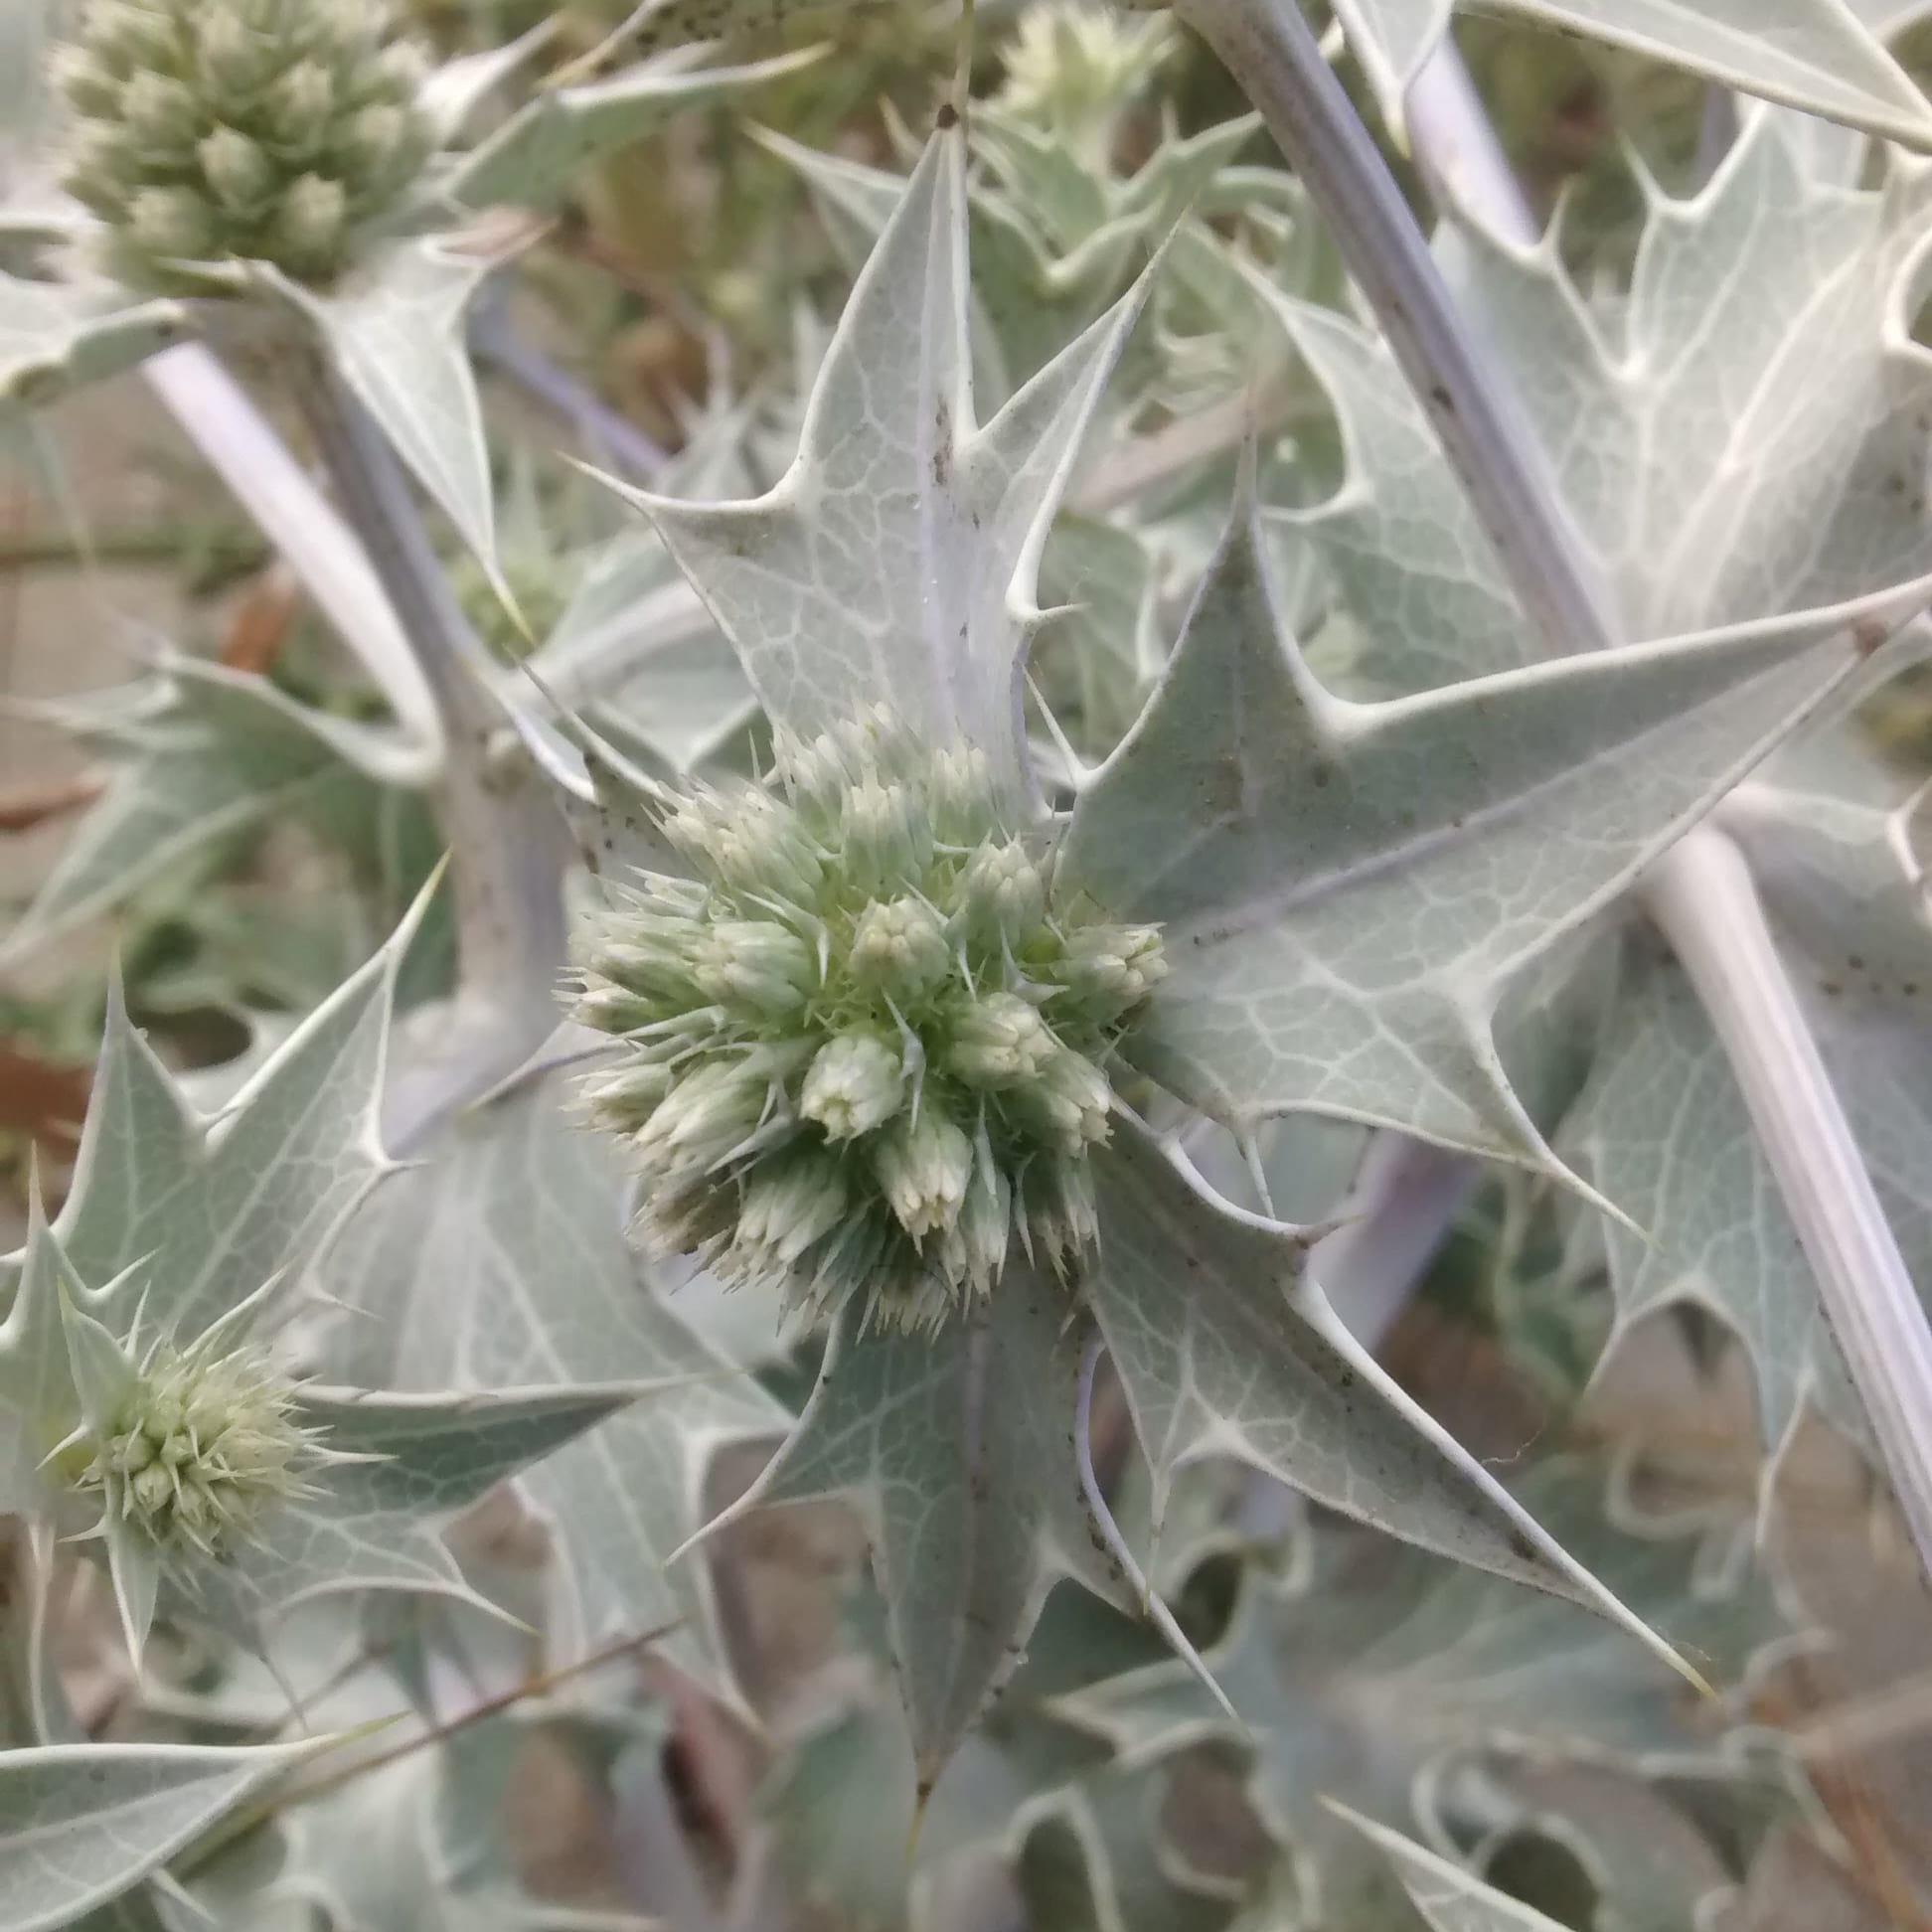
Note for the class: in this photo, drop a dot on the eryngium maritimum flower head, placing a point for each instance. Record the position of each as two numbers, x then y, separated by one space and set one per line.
256 131
202 1441
863 1048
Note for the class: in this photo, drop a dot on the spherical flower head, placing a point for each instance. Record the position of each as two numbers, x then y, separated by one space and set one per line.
201 1443
210 132
862 1052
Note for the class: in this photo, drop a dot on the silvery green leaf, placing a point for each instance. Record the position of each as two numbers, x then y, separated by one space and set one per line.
460 88
896 556
1662 1129
1888 19
82 1824
395 329
373 1523
954 1447
1347 888
1764 342
1370 1682
500 1259
1449 1897
1812 54
196 754
535 155
58 336
1225 1348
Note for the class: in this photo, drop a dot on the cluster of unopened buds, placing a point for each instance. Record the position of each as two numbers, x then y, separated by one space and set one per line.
207 131
864 1051
200 1442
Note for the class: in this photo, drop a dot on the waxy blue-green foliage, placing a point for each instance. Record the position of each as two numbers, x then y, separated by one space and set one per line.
912 1013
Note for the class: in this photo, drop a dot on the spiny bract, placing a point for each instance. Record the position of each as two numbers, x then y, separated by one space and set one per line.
199 1443
865 1050
254 130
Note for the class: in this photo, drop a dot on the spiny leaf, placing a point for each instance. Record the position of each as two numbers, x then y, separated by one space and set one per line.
1449 1897
535 155
1765 344
1663 1131
1813 53
197 753
955 1446
1225 1348
896 556
501 1261
82 1824
54 336
1348 887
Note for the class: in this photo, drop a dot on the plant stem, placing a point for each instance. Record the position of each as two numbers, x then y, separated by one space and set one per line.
506 835
1700 892
1267 47
245 452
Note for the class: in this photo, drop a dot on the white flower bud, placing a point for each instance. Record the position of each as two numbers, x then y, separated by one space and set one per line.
1109 970
1001 893
1059 1213
374 144
238 170
789 1206
172 223
886 839
976 1249
613 1010
234 60
312 220
901 945
159 113
707 1115
129 36
84 82
855 1084
624 1100
757 961
1070 1102
400 71
1000 1041
300 105
750 842
923 1166
959 796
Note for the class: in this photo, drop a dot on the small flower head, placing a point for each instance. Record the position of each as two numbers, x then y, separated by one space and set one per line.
1072 67
256 131
862 1050
201 1443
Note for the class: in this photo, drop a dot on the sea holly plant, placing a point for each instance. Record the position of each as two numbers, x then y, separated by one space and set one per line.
903 1039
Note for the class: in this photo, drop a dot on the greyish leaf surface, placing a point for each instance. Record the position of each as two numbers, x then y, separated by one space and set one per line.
193 758
956 1447
1450 1898
82 1824
395 331
58 336
896 556
1764 343
1225 1348
1347 888
502 1261
537 153
1366 1680
1662 1129
1812 54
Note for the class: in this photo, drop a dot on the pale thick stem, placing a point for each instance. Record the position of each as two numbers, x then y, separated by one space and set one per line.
507 840
1703 897
1267 47
240 445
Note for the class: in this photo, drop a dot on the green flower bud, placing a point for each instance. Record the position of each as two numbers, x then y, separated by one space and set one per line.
400 73
855 1084
750 842
924 1166
960 797
757 961
300 105
238 170
899 945
127 36
1000 895
172 225
160 113
790 1205
707 1115
1109 970
84 82
886 837
1058 1217
624 1100
651 957
613 1010
234 61
1070 1102
975 1250
376 141
1000 1041
311 222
